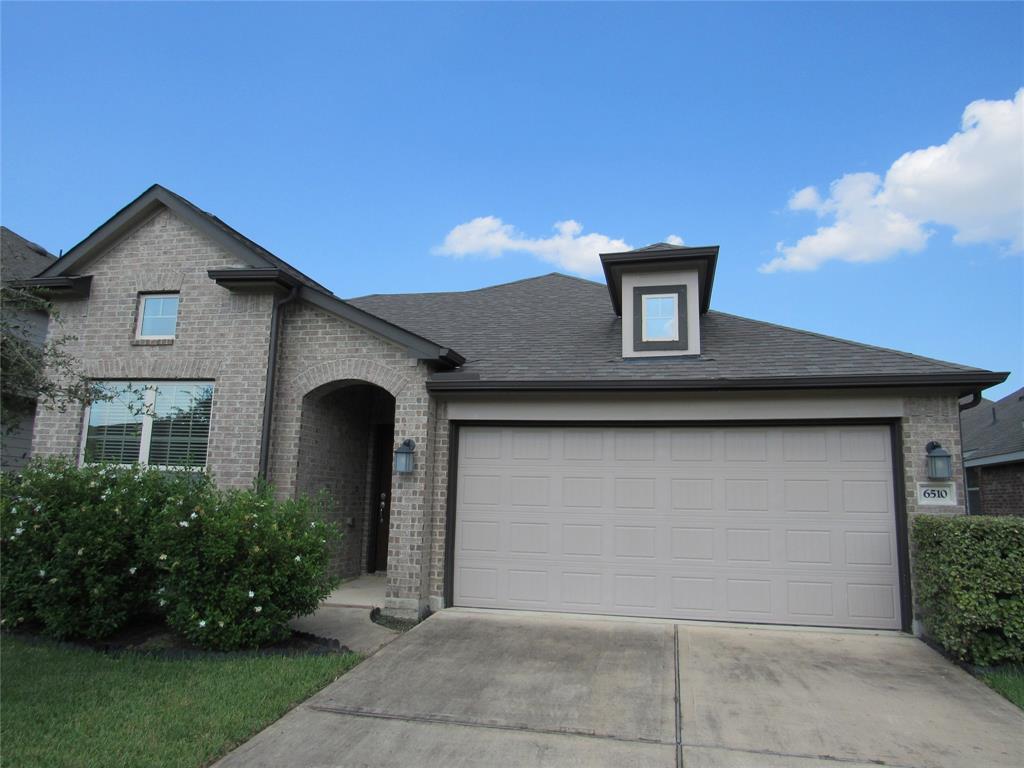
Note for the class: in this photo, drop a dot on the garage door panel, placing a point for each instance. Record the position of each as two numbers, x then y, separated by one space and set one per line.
786 525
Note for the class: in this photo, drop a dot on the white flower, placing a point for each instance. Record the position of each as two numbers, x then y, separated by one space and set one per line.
80 551
193 515
18 531
202 623
298 559
132 570
313 524
258 608
251 593
160 591
183 523
220 623
53 581
42 574
163 557
162 602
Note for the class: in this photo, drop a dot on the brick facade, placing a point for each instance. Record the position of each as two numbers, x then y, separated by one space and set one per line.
329 385
319 349
221 337
1000 487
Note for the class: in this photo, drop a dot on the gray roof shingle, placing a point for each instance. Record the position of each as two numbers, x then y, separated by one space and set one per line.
558 327
994 429
21 259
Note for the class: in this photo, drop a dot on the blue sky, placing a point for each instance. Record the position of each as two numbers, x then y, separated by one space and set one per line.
393 148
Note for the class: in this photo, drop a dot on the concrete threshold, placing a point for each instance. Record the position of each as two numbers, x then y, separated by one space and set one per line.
696 623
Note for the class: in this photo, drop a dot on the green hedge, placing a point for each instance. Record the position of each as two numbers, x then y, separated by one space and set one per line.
969 583
71 551
236 566
84 550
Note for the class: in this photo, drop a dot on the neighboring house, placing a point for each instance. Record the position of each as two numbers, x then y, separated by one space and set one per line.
21 259
575 446
993 437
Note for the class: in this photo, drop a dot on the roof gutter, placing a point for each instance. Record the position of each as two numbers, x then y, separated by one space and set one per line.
969 380
268 389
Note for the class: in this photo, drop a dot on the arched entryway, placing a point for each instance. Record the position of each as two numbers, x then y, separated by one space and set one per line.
346 437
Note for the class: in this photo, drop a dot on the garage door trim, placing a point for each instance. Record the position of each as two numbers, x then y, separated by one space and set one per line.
902 544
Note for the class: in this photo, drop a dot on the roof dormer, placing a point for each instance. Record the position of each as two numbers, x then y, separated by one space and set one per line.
660 291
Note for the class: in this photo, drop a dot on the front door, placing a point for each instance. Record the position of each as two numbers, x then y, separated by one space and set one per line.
381 523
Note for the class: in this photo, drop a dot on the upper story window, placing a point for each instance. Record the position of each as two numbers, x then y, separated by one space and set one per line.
660 317
158 423
158 316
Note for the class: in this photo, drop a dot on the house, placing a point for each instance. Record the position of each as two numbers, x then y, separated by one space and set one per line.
547 444
21 259
993 439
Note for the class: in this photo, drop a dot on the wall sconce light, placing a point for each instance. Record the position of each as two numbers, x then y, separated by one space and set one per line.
940 463
405 461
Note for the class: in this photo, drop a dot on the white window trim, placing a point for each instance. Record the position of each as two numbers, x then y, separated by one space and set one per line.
149 408
141 311
643 316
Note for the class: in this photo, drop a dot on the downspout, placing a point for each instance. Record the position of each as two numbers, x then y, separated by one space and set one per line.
268 390
975 400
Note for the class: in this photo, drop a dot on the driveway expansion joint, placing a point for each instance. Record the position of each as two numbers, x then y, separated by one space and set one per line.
444 720
678 699
802 755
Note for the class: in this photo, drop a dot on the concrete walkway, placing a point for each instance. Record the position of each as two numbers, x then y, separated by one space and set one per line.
470 688
349 626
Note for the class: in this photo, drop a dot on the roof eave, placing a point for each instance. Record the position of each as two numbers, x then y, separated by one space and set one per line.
252 279
62 286
966 382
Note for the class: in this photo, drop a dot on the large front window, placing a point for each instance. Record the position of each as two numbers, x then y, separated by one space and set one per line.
160 423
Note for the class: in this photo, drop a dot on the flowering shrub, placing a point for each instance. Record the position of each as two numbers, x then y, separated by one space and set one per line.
236 566
71 543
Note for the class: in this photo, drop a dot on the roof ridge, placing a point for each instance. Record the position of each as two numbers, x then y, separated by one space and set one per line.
849 342
482 288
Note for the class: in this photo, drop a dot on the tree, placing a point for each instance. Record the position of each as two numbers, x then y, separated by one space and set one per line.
31 371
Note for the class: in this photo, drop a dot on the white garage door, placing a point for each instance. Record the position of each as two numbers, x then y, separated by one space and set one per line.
790 525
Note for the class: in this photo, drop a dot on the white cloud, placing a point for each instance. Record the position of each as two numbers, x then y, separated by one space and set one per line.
674 240
973 183
568 248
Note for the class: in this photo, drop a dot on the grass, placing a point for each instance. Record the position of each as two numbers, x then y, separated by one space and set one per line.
1009 681
64 707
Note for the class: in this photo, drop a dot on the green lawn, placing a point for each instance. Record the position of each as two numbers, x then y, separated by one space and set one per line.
1009 682
68 707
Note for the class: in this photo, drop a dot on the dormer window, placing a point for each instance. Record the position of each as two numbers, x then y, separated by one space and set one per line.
158 316
661 292
659 318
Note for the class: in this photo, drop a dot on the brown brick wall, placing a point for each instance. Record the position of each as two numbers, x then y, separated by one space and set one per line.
1002 489
333 449
220 336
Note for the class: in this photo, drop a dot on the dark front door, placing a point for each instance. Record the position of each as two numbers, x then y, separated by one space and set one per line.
381 523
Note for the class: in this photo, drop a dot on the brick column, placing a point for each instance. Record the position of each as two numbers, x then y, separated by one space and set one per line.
411 508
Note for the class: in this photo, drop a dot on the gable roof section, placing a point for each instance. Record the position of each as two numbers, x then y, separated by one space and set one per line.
557 332
148 203
264 267
992 430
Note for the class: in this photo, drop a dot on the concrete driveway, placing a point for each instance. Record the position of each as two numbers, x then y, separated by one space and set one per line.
472 688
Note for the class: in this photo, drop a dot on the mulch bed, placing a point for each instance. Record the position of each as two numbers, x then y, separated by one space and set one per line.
153 637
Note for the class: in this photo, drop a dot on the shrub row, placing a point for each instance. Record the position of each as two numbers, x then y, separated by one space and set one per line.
87 549
969 580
